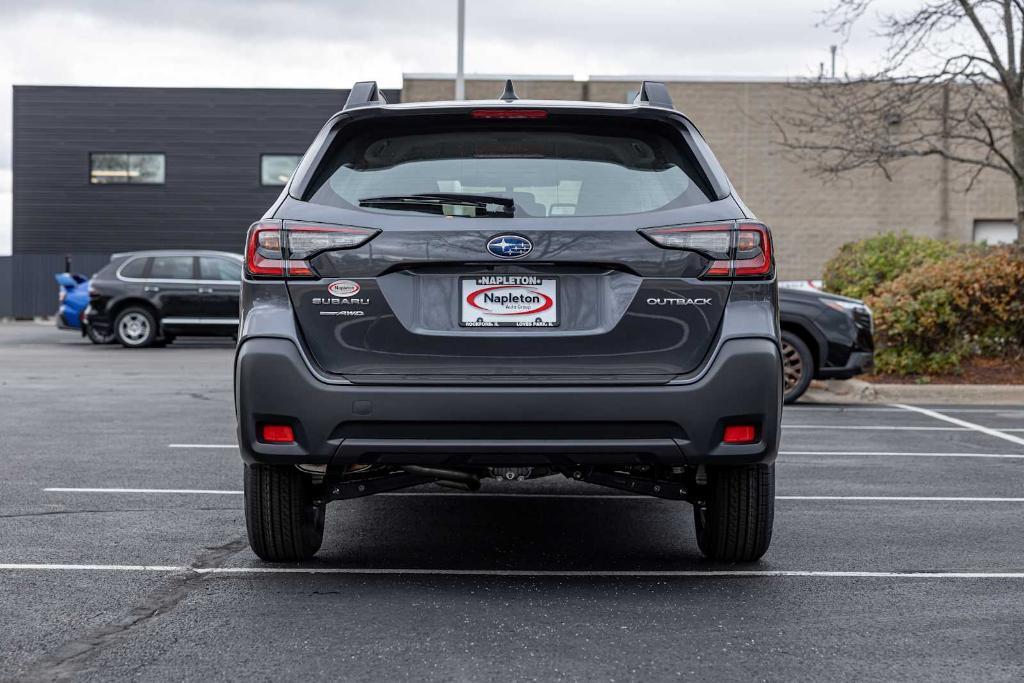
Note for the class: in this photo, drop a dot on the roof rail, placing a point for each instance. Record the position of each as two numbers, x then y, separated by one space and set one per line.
509 94
364 94
655 94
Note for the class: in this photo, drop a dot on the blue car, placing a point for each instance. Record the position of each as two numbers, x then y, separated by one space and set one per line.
73 297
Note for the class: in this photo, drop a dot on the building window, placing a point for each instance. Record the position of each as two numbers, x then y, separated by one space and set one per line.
276 169
995 232
120 167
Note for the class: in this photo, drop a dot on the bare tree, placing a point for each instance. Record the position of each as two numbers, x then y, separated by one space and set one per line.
951 85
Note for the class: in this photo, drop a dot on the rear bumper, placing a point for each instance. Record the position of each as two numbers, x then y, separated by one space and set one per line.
97 320
858 363
672 424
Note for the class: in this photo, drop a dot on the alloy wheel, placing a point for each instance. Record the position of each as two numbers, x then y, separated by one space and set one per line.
792 366
134 328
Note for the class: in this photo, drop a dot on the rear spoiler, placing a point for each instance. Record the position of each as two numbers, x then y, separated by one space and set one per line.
366 93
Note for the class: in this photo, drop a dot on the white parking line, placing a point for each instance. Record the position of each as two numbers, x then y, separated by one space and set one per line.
963 423
525 573
100 490
1009 410
569 496
877 428
202 445
927 499
911 454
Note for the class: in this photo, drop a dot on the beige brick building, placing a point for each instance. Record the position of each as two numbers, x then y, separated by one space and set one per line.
810 218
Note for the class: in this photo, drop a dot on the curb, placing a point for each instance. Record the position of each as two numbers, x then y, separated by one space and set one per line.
858 391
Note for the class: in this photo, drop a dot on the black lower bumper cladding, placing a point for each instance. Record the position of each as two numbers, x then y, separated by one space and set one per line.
559 426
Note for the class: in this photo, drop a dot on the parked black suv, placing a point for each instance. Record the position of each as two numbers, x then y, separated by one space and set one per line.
511 289
147 298
824 336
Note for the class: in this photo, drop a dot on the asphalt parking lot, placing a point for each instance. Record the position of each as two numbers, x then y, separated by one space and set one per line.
898 550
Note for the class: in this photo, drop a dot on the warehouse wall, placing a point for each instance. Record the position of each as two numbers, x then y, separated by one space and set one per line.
212 139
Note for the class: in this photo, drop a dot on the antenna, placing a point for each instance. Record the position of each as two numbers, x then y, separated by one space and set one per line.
510 92
364 94
654 94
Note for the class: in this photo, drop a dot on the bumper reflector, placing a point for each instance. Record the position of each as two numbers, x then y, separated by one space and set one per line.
739 434
277 434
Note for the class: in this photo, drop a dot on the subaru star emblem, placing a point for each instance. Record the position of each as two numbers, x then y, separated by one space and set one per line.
509 246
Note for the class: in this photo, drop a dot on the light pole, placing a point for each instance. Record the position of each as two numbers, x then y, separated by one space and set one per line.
460 76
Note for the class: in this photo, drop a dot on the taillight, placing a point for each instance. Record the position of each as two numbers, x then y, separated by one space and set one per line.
273 250
753 251
738 250
264 255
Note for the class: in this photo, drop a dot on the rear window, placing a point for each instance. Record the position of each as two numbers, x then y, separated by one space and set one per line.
622 167
134 268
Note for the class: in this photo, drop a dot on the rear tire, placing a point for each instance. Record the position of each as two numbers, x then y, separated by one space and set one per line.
735 523
135 328
97 338
797 367
283 523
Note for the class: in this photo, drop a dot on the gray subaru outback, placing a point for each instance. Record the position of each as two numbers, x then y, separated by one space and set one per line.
450 292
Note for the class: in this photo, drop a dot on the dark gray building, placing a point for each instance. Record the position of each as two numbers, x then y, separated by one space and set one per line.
104 170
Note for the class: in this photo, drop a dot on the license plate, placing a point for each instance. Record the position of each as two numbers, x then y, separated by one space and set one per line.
509 301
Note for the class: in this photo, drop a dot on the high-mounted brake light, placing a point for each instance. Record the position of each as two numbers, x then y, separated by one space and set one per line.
275 250
740 250
509 114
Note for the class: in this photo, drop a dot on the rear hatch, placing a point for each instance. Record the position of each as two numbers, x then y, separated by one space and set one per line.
508 248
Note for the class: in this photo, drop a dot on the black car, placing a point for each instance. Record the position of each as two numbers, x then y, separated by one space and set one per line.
508 289
147 298
824 336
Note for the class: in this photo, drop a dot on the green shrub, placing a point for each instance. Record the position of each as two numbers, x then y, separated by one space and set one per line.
858 268
970 304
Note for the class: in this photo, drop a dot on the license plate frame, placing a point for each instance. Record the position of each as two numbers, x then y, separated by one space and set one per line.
489 301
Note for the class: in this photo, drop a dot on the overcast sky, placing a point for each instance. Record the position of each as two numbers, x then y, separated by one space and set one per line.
331 43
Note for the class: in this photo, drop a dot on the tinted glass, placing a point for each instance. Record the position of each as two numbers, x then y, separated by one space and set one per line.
146 168
134 268
171 268
276 169
108 168
137 169
586 170
212 268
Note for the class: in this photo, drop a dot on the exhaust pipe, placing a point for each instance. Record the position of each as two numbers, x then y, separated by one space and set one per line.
454 479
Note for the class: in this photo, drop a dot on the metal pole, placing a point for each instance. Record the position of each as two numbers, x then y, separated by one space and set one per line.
832 48
460 76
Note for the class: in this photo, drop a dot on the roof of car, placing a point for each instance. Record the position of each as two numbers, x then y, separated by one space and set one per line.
502 104
176 252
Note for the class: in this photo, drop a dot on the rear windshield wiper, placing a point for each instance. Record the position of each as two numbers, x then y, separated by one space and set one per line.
485 204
